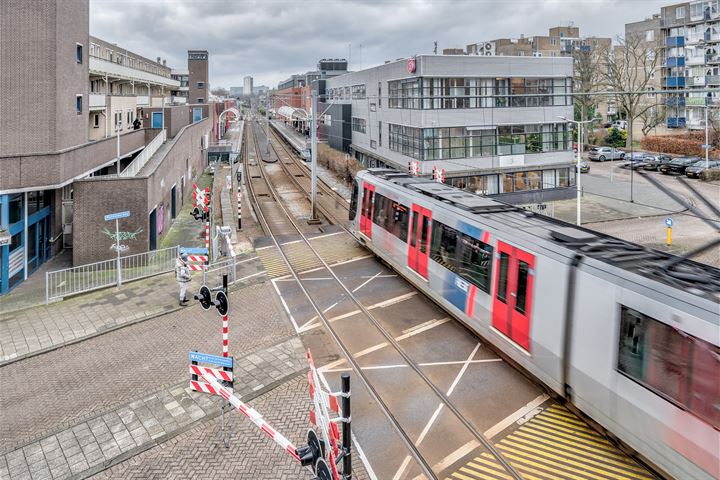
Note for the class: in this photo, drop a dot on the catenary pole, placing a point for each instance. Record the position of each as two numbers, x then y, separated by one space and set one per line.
313 155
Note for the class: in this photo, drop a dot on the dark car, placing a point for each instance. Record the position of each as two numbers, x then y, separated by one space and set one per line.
584 167
635 160
653 162
677 165
694 170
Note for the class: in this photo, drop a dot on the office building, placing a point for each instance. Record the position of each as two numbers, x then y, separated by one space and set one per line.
467 115
248 85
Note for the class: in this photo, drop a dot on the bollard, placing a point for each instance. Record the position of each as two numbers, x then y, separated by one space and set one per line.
346 432
668 237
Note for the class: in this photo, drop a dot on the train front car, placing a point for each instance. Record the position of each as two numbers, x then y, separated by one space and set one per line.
633 344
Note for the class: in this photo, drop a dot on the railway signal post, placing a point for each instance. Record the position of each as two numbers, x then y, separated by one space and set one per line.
239 197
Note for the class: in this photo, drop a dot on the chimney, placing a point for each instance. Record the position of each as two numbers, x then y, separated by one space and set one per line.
158 59
164 63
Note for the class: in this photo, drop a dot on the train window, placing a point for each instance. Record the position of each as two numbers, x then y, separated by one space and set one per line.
424 234
353 202
467 256
391 216
503 277
671 363
521 287
413 233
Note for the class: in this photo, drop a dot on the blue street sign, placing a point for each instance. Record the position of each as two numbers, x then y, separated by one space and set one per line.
194 251
115 216
669 222
705 146
211 359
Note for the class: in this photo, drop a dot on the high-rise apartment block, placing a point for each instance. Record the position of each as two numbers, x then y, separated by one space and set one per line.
248 85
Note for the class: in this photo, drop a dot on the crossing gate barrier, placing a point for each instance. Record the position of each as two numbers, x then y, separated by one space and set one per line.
198 371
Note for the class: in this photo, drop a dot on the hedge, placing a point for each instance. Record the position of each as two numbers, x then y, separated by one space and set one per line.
689 144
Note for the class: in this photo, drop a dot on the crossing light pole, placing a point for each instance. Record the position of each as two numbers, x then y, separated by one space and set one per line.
313 156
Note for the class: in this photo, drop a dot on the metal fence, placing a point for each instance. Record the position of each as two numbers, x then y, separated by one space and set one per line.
85 278
213 274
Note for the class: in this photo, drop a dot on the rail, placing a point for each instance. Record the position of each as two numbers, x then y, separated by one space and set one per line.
146 154
94 276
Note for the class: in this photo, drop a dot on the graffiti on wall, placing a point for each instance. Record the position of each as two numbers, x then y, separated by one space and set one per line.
118 237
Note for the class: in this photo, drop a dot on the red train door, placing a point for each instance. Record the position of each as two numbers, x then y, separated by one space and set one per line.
366 212
419 244
513 293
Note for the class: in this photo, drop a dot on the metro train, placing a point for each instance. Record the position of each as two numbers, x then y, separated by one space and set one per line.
628 335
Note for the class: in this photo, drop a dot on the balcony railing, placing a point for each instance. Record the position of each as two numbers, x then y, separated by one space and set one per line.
675 62
695 60
712 80
675 82
695 101
102 67
675 101
675 42
97 101
676 122
695 81
142 158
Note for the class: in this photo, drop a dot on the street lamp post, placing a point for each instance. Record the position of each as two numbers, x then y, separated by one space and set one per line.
578 182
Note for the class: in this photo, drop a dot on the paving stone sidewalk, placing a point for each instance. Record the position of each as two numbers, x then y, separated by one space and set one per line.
34 330
107 439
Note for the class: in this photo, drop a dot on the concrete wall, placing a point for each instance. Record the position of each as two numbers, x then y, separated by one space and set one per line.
121 104
55 169
98 196
95 198
40 77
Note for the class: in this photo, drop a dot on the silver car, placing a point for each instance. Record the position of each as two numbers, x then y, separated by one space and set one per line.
600 154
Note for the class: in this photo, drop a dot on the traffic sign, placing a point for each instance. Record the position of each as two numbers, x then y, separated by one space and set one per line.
211 359
705 146
669 222
194 251
115 216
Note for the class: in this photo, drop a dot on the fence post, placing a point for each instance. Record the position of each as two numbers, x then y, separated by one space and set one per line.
47 288
346 432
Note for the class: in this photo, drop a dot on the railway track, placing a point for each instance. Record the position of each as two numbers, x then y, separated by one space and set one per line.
270 206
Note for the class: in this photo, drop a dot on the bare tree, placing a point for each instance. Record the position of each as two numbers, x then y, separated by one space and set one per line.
628 69
220 92
652 117
714 128
587 79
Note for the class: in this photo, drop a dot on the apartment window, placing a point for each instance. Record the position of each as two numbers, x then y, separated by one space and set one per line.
372 107
200 84
110 55
79 53
96 120
129 118
650 35
380 134
201 100
359 125
680 13
373 144
380 94
358 92
92 50
78 104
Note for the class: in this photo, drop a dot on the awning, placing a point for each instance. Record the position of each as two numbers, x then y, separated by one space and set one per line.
291 113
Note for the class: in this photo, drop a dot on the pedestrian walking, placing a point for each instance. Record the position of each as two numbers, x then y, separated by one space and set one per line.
182 275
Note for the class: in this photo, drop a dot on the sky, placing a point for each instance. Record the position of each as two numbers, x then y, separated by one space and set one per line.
272 39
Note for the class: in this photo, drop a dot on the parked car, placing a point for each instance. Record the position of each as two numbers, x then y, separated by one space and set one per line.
694 170
677 165
634 160
652 162
619 124
601 154
584 167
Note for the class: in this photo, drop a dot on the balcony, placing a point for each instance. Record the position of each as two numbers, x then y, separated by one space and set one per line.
712 37
97 101
696 124
675 101
99 66
712 59
675 42
675 62
675 122
695 101
695 60
179 100
695 81
675 82
143 101
712 80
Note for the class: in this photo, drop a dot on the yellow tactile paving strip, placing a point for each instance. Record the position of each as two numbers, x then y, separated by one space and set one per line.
332 248
555 444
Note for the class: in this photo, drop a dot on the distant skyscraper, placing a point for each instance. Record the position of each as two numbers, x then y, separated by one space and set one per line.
248 85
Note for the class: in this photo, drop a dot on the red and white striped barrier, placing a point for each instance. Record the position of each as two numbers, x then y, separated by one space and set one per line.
253 415
203 387
207 235
323 402
225 336
219 374
196 268
197 258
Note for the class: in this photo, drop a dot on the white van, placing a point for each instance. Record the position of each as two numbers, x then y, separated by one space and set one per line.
619 124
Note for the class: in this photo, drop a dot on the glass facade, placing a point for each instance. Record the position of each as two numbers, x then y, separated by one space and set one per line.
469 142
463 92
515 182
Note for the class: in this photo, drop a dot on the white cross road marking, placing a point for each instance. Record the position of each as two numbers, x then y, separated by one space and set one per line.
366 282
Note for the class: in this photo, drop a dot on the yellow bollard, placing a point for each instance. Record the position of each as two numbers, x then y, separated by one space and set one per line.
668 240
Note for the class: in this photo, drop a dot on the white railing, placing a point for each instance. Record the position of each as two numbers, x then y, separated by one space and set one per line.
97 100
145 155
101 66
86 278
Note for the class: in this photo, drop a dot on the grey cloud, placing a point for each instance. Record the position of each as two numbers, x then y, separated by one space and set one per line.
272 39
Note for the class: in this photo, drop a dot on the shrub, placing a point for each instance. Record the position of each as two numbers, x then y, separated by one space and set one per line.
688 144
710 175
335 161
616 138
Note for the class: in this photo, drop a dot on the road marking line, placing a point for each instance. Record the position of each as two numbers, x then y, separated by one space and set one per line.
434 416
287 310
428 364
402 468
367 281
515 416
422 327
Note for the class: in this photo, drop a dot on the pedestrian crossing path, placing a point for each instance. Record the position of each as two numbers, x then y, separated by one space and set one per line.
333 248
554 444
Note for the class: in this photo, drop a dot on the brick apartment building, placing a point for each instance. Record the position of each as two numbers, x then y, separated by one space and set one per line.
67 100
